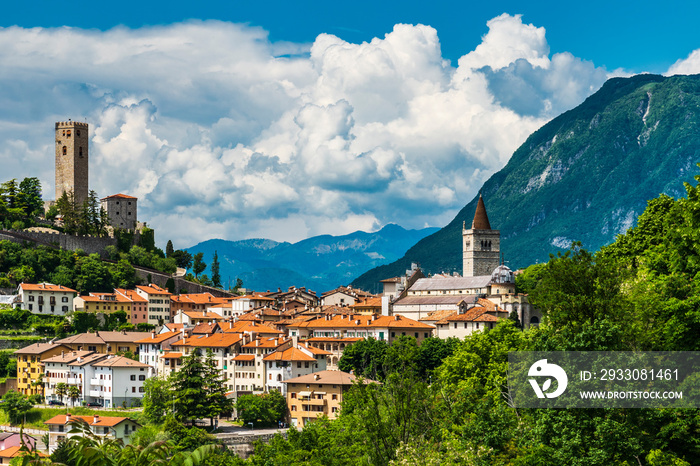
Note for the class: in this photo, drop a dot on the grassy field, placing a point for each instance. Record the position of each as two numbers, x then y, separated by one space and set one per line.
37 416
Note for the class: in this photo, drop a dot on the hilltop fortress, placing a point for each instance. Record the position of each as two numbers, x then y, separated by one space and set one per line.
72 175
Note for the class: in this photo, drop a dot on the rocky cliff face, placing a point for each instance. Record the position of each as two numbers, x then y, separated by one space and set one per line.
584 176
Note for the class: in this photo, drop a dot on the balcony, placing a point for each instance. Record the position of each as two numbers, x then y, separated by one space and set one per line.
74 381
96 382
96 393
313 402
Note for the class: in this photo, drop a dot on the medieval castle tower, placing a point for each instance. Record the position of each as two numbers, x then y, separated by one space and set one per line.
481 246
72 160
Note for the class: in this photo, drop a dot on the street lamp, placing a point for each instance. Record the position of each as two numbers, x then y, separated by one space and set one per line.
251 425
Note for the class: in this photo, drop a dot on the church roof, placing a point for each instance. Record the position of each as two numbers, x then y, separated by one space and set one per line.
481 220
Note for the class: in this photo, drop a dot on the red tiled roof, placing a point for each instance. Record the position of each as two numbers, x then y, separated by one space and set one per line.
45 287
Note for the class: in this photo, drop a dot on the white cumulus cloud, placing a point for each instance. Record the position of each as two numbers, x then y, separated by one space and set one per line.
222 133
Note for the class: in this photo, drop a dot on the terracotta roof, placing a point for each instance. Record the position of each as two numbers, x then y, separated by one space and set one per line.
368 302
315 350
202 315
349 291
481 220
158 337
123 336
361 321
45 287
12 452
174 327
40 348
267 342
205 328
327 378
332 340
216 340
102 421
120 361
173 355
197 298
119 196
289 354
87 360
434 316
153 289
247 326
244 357
131 294
69 356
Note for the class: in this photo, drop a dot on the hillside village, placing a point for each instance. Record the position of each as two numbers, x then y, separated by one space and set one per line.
289 341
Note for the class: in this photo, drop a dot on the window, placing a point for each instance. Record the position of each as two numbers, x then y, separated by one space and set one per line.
299 365
141 389
306 365
65 150
133 389
80 151
31 298
133 377
294 395
64 299
105 430
142 377
294 408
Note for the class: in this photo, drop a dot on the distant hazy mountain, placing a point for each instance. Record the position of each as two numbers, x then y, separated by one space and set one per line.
585 176
320 263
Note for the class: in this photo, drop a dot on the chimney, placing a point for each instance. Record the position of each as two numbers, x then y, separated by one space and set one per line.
63 353
67 417
96 419
316 377
153 334
396 317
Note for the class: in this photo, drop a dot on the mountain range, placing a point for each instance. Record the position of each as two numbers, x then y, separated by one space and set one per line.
320 263
584 176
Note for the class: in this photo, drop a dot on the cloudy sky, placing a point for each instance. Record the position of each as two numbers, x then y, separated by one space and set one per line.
289 120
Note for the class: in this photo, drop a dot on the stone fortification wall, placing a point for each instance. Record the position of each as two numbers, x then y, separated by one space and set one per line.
160 279
89 244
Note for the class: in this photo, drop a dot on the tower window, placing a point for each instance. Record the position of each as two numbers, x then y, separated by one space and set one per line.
68 133
80 151
65 150
77 132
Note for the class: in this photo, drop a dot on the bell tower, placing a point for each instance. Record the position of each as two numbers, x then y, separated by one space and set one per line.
72 160
481 246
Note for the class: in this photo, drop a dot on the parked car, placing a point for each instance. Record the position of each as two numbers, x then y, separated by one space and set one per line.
94 405
56 403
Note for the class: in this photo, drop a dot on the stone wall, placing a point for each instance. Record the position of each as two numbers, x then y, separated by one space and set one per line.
89 244
160 279
243 444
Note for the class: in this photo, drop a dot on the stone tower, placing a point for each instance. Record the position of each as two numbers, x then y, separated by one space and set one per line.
481 246
72 160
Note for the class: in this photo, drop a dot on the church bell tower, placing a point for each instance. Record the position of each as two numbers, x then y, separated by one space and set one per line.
481 246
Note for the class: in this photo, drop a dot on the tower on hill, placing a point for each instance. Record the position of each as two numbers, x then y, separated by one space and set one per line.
481 246
72 160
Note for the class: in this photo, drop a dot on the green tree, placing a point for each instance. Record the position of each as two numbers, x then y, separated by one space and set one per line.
169 249
215 275
189 390
157 399
365 358
73 394
61 390
199 265
183 259
15 405
266 408
217 402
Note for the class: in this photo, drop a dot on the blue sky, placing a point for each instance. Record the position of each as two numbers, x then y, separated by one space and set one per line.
291 119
